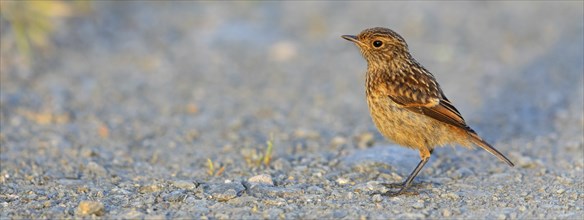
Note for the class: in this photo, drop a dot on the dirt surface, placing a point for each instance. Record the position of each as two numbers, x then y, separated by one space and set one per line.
124 115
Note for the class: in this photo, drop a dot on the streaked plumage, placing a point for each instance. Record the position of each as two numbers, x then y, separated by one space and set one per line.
406 103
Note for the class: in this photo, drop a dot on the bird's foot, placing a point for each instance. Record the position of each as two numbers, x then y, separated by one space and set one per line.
402 189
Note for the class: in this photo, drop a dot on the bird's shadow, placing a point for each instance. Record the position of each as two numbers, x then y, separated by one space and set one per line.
402 159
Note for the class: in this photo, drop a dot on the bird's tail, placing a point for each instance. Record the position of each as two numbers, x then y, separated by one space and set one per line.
480 142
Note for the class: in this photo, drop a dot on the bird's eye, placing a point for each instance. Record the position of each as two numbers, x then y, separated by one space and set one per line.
377 43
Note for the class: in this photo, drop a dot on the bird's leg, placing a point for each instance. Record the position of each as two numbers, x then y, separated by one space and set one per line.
425 155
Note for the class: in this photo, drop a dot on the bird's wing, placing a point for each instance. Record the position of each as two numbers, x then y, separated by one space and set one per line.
423 95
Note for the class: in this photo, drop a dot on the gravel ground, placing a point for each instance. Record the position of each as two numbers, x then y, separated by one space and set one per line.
124 115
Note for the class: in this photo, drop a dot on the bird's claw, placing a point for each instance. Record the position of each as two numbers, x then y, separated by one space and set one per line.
399 192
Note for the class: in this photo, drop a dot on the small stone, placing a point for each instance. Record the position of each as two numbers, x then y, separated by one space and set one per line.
450 195
181 184
225 196
342 181
274 202
338 141
522 208
225 191
418 205
370 186
82 189
376 186
176 196
377 198
149 189
560 191
350 195
446 213
90 208
264 179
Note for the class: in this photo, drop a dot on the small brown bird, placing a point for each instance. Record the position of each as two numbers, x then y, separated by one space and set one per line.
407 104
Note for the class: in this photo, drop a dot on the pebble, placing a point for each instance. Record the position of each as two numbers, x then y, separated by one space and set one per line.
181 184
375 186
176 196
446 213
522 208
90 208
149 188
342 181
350 195
418 205
264 179
225 196
377 198
338 141
450 195
275 202
223 192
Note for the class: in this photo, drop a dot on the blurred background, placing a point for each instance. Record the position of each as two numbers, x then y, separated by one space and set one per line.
277 67
161 87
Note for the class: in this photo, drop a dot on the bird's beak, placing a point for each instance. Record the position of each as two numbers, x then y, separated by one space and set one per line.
352 38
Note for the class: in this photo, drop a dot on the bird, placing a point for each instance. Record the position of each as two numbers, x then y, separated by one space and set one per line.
406 103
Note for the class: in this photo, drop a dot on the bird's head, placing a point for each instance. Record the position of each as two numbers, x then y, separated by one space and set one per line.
379 44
